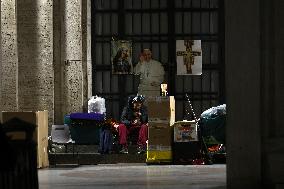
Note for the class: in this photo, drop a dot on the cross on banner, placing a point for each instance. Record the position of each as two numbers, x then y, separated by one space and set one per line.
188 55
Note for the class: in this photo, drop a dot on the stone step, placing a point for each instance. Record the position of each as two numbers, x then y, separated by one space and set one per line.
94 158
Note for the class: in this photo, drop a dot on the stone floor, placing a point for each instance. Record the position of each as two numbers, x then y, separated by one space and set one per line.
136 175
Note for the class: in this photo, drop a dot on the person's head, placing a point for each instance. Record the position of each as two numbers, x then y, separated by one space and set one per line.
124 53
147 55
137 106
137 102
121 54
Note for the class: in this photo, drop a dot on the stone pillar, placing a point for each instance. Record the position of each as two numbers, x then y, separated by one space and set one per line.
279 66
86 51
9 57
35 55
272 101
72 57
58 60
0 67
89 50
75 53
72 54
255 90
242 52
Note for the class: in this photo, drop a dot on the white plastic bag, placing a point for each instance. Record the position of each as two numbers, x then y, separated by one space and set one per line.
96 105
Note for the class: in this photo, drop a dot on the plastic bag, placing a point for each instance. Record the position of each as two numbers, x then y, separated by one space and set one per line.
96 105
214 112
212 125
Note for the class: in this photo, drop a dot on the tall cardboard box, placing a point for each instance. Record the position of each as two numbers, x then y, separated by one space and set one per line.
40 136
159 147
161 108
159 133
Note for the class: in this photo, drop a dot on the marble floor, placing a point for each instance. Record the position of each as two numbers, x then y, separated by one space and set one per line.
136 176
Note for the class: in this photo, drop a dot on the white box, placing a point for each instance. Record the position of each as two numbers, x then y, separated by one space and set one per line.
185 131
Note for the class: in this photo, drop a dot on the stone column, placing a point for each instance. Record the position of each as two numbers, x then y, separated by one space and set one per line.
58 60
72 57
242 50
255 90
35 55
9 57
0 67
272 85
76 53
72 54
86 51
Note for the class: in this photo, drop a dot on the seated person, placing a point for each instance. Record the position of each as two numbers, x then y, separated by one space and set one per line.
134 116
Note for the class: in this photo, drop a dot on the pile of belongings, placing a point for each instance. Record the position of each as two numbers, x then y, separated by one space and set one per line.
212 126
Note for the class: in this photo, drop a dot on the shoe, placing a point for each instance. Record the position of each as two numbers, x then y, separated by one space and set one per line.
141 150
124 151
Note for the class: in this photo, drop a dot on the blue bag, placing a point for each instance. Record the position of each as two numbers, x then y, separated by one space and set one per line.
106 141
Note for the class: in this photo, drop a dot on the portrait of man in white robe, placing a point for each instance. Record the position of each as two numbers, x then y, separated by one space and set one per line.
151 74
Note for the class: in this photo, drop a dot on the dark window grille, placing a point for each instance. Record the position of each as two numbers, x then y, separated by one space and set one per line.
157 24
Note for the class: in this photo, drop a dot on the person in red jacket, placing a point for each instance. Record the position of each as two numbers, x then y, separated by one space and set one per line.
133 117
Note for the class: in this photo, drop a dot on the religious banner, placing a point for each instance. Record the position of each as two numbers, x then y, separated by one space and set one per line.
189 57
121 57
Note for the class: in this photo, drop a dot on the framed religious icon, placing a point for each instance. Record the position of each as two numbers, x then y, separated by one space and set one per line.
189 57
121 57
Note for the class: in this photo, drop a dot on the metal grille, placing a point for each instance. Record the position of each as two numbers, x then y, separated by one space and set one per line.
157 24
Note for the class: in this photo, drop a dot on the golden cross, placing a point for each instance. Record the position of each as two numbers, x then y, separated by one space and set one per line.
188 55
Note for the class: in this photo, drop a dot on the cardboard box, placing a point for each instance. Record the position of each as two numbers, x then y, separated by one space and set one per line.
185 131
158 124
161 108
43 160
157 156
159 134
159 147
40 136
